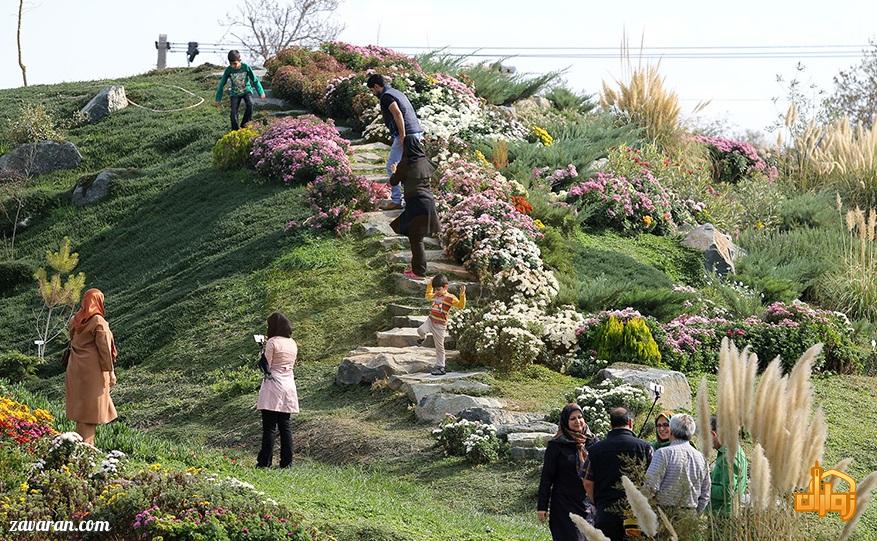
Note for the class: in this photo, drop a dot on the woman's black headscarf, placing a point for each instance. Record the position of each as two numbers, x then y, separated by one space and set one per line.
279 325
580 439
414 163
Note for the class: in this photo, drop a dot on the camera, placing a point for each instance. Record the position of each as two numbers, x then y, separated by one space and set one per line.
259 338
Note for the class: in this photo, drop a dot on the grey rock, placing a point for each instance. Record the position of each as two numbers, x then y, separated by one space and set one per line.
403 310
718 249
499 416
436 407
368 157
400 381
368 364
372 146
431 255
92 191
677 392
528 439
396 242
418 391
599 164
109 100
35 159
409 321
504 430
401 337
376 223
527 453
414 287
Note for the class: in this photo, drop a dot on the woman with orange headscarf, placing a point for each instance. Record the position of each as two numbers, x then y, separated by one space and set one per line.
90 372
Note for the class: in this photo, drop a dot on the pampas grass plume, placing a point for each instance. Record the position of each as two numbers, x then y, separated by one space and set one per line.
591 533
645 516
864 493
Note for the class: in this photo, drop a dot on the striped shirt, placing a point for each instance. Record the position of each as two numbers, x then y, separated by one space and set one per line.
679 476
442 304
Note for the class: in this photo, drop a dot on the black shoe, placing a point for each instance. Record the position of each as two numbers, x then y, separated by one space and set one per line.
420 342
438 371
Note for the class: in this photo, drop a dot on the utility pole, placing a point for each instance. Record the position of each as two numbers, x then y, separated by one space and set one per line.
162 45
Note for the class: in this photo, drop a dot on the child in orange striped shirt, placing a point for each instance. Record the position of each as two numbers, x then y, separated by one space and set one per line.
437 322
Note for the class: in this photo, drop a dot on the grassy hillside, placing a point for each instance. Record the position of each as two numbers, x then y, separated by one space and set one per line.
192 260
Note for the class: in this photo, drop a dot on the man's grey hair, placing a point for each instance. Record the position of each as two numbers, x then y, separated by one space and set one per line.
683 427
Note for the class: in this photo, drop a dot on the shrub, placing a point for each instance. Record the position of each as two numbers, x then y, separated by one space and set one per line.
32 123
358 58
14 273
22 424
733 160
503 337
304 81
500 88
565 99
298 150
606 336
473 439
16 366
232 151
596 402
478 217
338 201
806 210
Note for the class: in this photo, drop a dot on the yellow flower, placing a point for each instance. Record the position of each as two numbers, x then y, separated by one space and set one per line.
43 415
539 225
36 491
647 220
543 136
481 158
193 471
155 467
24 486
65 468
759 225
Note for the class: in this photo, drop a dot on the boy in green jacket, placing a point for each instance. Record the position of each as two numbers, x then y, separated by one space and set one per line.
243 80
724 485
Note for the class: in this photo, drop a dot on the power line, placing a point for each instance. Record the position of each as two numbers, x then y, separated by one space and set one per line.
616 47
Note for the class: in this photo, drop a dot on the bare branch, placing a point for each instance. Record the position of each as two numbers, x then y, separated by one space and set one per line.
267 26
18 39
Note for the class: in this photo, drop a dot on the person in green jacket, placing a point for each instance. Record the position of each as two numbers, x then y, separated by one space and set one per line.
243 81
724 485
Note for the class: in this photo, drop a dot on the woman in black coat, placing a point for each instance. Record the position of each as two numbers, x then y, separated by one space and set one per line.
561 490
419 219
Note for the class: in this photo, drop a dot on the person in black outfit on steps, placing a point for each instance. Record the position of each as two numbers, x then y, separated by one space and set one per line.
561 490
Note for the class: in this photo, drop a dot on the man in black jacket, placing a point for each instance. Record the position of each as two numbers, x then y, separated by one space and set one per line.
609 459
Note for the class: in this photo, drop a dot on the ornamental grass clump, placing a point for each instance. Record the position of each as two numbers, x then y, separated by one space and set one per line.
852 287
643 100
298 150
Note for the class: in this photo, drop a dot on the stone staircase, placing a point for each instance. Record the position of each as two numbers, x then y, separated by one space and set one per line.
405 366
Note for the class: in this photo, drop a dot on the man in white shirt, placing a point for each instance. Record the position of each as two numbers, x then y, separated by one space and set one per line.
678 474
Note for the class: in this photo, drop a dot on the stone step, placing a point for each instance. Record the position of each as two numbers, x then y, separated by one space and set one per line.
410 320
368 363
397 242
369 157
437 406
396 309
382 147
271 103
291 112
451 270
376 177
400 381
378 223
415 287
384 204
404 256
500 416
361 167
401 337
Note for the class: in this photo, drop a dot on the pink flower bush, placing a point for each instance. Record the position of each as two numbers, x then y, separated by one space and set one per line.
736 159
339 201
454 84
298 150
459 179
630 204
687 333
558 177
357 57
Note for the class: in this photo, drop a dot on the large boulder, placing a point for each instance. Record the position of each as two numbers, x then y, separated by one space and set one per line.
436 406
499 416
33 159
109 100
91 191
718 249
676 394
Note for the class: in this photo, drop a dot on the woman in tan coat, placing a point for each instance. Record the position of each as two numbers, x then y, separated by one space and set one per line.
90 371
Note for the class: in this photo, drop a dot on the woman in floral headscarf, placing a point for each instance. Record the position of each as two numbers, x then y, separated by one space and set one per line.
561 490
90 372
662 430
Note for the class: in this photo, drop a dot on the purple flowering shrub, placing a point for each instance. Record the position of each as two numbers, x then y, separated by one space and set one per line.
459 179
298 150
734 160
338 202
359 58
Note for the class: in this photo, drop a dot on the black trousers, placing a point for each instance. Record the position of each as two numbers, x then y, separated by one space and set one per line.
270 420
416 231
248 110
610 524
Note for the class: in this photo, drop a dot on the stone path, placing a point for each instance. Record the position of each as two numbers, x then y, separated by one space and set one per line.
397 358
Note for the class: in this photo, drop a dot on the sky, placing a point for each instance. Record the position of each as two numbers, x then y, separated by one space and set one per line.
78 40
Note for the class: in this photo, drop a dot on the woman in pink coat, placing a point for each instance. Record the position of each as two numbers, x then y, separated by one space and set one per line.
278 397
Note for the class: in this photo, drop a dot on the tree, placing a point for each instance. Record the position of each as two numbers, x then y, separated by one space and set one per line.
13 198
58 296
18 37
855 91
265 27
